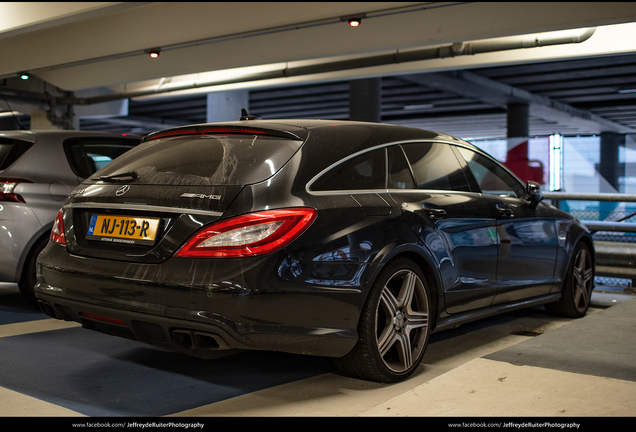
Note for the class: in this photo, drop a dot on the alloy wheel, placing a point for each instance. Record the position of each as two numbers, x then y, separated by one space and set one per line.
583 275
402 320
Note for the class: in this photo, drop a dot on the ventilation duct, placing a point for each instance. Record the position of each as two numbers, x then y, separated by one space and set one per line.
452 50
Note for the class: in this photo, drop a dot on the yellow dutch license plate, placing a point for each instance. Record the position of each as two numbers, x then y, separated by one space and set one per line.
123 229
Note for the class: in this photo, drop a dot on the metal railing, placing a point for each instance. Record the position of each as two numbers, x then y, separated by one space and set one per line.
614 259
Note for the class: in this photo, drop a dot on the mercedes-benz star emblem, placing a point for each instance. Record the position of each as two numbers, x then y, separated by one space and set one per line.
122 190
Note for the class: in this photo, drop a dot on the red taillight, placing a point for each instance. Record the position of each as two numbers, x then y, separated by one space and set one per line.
249 235
57 233
7 187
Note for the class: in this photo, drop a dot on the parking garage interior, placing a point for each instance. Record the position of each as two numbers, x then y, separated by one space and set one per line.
549 89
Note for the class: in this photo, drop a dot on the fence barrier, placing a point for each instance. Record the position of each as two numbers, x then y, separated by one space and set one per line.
614 259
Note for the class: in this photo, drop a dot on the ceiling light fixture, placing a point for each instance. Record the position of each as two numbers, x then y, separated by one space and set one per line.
153 53
354 20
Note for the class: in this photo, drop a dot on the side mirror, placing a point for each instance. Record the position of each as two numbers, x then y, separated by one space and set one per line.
533 193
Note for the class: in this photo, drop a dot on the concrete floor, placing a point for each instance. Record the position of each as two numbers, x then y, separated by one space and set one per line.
521 364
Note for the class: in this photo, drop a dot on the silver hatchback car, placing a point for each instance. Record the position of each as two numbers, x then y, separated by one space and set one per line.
38 171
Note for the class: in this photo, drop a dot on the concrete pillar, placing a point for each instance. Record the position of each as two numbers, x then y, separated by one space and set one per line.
609 166
40 121
518 120
610 169
66 120
365 100
226 105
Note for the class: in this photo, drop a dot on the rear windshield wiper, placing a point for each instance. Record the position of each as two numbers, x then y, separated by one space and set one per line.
121 176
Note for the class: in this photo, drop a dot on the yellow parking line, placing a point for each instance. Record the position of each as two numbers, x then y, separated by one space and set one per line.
36 326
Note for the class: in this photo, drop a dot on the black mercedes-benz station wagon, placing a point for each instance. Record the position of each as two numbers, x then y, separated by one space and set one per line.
343 239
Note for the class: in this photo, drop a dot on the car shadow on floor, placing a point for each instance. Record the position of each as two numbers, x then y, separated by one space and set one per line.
99 375
14 308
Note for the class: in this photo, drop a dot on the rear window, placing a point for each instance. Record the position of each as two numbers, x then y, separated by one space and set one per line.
11 150
206 159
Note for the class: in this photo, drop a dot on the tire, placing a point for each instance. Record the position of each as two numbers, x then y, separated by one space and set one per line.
577 286
394 326
28 278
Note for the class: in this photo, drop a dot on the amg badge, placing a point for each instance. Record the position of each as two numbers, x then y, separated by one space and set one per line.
202 196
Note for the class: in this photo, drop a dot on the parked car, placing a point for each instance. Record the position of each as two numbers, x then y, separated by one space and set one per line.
343 239
38 170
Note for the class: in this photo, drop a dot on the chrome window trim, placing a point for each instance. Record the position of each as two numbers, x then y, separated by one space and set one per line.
390 191
144 207
377 147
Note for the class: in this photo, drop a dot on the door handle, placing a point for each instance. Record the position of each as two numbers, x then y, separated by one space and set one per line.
433 212
504 210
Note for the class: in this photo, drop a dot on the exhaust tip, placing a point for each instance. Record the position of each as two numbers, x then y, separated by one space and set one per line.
195 340
183 339
48 309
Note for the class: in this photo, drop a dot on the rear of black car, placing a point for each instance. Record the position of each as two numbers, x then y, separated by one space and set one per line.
142 206
152 247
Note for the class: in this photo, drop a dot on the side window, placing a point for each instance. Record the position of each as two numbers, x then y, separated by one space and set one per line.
491 178
86 156
400 176
435 167
363 172
11 150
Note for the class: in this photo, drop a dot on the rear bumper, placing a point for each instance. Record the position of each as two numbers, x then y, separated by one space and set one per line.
192 337
197 306
177 334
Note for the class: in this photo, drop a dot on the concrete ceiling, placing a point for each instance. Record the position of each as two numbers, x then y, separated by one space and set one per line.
85 49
